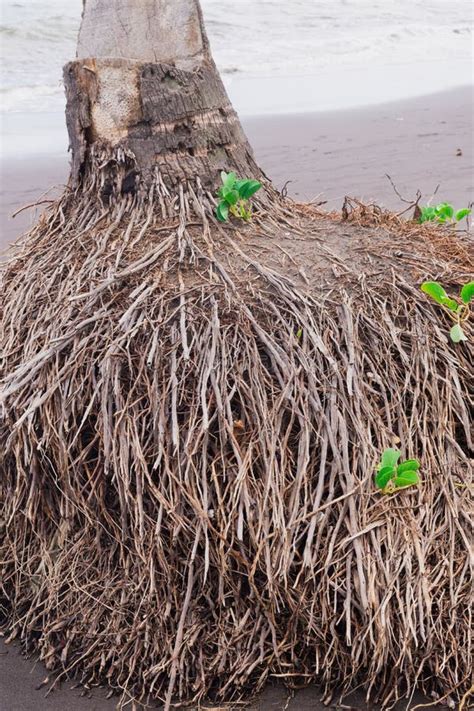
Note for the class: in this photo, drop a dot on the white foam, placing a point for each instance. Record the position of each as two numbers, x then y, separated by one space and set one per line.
254 39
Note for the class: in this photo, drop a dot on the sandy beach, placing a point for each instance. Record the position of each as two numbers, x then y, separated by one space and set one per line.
421 143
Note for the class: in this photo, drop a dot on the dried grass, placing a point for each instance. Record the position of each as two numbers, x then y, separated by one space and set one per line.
187 488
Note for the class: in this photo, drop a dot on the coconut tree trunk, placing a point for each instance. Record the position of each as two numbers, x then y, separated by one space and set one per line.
145 101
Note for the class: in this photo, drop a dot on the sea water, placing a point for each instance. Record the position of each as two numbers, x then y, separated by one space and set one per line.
274 55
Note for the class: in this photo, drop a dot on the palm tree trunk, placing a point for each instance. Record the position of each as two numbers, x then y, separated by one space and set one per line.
145 97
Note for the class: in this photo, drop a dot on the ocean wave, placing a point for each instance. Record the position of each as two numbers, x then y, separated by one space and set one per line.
259 38
37 97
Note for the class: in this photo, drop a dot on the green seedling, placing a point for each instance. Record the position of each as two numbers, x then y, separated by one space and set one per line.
443 213
235 197
392 477
457 308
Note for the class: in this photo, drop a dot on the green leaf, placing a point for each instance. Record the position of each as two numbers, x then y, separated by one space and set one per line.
427 214
445 210
228 180
438 294
411 465
299 334
389 458
249 188
231 196
222 212
383 477
408 478
457 334
461 214
467 292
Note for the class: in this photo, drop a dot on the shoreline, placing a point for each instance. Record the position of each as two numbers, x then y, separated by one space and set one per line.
333 86
326 155
343 87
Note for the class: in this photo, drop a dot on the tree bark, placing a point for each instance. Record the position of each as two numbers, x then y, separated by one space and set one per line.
144 97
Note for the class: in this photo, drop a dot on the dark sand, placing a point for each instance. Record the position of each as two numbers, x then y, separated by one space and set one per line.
349 153
327 155
20 679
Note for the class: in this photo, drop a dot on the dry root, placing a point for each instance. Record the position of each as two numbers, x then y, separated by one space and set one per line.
189 436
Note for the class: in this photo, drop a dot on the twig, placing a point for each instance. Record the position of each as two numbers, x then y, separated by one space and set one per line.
33 204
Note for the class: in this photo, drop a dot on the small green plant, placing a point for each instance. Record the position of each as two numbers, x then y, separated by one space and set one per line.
443 213
235 197
392 477
458 309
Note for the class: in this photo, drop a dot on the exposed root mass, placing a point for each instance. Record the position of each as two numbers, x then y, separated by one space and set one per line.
191 419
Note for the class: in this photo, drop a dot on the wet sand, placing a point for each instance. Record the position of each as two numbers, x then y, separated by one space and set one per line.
326 155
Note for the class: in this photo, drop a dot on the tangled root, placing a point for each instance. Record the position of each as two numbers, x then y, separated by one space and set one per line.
191 420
